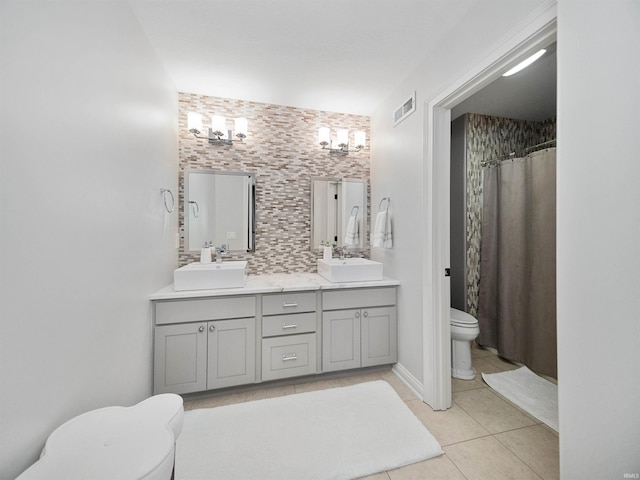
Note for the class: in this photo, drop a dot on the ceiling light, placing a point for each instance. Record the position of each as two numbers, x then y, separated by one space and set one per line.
525 63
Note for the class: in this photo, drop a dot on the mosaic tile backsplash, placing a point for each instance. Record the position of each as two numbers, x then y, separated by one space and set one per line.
282 150
487 138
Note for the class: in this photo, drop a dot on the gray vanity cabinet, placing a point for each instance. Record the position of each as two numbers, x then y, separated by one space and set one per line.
203 344
206 343
359 328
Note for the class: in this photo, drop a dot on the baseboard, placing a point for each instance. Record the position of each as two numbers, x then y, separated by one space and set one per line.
412 382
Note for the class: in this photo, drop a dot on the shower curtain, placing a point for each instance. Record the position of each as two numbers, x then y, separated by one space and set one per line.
517 298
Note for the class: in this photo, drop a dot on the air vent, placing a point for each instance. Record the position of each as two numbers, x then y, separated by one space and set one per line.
406 109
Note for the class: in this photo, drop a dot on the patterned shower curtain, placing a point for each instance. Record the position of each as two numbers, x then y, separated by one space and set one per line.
517 298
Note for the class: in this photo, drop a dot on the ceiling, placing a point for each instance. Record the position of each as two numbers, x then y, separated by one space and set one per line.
527 95
333 55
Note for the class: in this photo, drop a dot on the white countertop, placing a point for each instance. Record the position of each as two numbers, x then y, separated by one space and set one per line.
273 283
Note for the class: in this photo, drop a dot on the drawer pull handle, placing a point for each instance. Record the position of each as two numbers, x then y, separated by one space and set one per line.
291 325
289 356
287 305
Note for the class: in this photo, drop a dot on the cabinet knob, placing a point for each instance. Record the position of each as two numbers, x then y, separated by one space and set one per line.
201 329
212 328
365 314
357 315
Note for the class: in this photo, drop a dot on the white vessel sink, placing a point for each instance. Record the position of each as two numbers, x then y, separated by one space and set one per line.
350 270
208 276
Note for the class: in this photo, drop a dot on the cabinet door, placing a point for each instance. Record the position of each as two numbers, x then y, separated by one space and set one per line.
180 358
232 352
340 340
379 336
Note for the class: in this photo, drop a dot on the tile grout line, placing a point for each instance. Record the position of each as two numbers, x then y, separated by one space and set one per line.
457 468
518 456
469 440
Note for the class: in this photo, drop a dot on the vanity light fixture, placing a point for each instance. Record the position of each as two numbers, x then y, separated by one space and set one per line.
340 145
525 63
218 128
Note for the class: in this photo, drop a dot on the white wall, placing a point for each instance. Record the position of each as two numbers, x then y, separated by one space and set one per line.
397 157
598 219
88 136
598 232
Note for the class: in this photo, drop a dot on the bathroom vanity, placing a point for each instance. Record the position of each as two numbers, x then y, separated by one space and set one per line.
274 327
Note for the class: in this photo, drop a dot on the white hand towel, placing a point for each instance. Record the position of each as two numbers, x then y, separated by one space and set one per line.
382 236
378 229
388 237
352 235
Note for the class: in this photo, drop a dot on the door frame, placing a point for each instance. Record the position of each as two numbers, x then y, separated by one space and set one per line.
537 30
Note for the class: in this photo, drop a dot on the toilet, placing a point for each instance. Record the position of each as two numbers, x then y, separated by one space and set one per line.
124 443
464 329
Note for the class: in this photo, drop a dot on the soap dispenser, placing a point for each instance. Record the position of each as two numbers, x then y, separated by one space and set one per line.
327 251
205 253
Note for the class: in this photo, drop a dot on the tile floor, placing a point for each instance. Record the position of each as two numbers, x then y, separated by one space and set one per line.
483 435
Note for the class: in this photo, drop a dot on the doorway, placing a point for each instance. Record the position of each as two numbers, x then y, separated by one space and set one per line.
538 33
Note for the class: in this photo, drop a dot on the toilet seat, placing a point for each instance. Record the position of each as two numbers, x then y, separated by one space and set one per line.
463 324
125 443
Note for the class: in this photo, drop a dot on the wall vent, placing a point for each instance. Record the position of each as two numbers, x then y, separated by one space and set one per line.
406 109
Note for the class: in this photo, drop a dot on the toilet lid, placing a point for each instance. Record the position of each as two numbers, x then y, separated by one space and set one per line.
462 319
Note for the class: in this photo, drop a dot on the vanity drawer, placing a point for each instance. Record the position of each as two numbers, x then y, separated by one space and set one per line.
290 356
280 303
183 311
288 324
359 298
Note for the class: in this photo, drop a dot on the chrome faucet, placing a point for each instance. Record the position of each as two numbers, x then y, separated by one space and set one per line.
341 251
221 251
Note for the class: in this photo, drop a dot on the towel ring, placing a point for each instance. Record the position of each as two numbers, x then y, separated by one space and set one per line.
356 208
388 199
164 192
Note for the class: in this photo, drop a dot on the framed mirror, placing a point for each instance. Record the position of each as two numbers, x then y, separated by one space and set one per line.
219 207
339 212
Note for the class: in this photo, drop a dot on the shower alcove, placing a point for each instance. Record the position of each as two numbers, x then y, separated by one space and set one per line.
508 116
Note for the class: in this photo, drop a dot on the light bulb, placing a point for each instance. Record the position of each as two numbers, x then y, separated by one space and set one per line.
241 127
324 136
194 122
343 137
360 138
218 125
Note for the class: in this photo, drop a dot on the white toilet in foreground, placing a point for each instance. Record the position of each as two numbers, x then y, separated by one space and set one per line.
123 443
464 329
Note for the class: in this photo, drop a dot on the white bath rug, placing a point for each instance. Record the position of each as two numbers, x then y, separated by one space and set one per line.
340 433
534 394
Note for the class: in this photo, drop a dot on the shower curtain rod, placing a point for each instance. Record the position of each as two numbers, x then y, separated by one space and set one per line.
519 153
